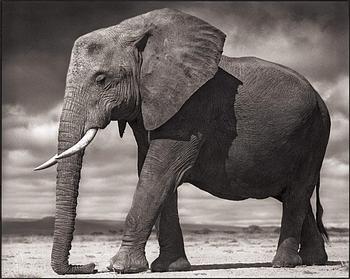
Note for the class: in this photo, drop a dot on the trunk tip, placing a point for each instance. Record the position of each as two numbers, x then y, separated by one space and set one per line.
74 269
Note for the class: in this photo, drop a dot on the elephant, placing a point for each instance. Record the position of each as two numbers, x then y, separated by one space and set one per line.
235 127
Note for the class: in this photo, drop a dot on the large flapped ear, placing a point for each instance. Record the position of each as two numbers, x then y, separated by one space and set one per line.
180 53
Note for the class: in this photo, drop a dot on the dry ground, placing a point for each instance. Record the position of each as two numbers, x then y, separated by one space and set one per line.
212 254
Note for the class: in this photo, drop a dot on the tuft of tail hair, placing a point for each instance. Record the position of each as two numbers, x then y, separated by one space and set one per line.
319 212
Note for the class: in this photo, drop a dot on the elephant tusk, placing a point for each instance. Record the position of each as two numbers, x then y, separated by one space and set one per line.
85 140
48 163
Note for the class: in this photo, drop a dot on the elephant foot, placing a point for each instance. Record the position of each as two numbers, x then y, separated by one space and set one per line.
166 263
128 261
313 255
287 254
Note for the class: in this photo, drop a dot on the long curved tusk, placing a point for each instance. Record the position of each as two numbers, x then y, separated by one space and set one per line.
48 163
84 142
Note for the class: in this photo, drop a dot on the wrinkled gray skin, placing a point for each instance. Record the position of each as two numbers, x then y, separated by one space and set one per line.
237 128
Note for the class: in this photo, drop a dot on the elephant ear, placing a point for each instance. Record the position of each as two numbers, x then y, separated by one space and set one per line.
180 53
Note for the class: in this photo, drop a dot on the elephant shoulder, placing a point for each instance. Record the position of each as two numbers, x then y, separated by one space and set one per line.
274 80
290 86
250 66
271 87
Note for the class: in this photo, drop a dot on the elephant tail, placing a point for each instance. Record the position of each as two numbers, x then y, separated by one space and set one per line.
319 212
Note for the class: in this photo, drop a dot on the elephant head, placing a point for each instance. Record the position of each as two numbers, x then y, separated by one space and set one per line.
150 65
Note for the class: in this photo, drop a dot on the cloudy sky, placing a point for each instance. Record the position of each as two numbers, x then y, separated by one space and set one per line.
309 37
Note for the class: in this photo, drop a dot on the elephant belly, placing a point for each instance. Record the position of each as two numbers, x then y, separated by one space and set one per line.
257 172
243 173
246 171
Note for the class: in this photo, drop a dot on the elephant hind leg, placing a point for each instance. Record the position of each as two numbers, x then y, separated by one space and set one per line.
295 207
288 244
172 255
312 250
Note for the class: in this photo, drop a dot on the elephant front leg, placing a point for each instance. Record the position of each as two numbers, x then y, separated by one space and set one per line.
172 255
165 164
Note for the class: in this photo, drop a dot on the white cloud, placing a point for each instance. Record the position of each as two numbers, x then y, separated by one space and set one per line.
338 145
22 131
333 168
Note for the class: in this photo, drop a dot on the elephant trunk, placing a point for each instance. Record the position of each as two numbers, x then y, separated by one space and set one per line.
71 130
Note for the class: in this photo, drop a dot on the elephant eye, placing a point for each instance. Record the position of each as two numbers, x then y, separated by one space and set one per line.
100 79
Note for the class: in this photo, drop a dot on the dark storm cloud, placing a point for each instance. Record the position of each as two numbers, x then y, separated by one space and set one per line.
35 79
310 37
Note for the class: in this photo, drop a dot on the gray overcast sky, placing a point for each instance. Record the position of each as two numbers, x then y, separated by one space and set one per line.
309 37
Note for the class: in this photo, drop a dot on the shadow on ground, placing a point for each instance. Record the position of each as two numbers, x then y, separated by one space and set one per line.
243 265
202 267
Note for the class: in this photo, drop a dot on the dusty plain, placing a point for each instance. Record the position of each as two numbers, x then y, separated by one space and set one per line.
244 252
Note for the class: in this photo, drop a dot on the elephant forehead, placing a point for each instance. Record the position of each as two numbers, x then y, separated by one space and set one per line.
90 44
103 42
101 37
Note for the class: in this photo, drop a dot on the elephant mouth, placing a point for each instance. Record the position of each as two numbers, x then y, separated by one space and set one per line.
80 145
